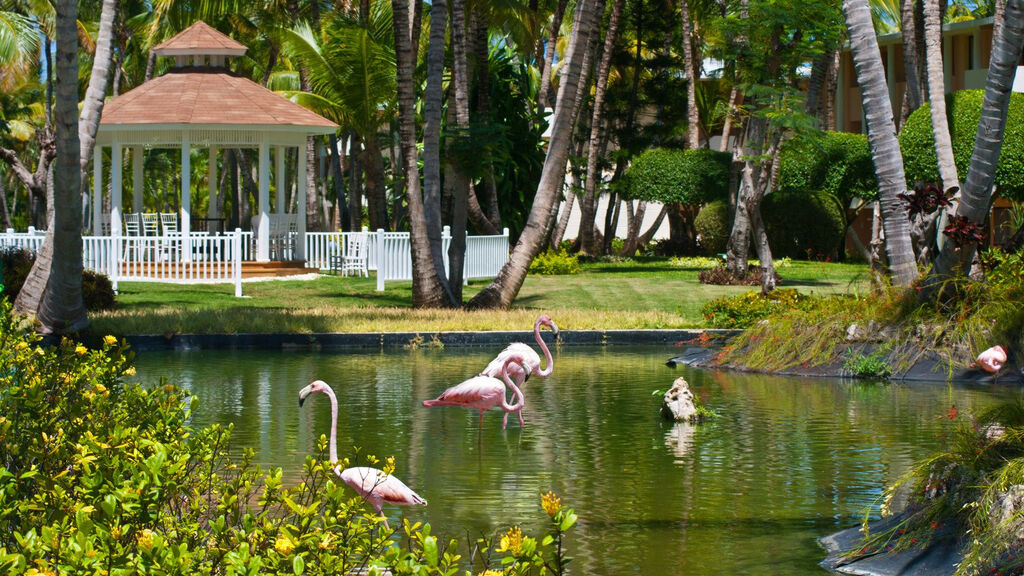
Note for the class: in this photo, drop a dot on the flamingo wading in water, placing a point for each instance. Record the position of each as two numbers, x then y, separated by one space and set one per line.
991 360
484 392
531 359
375 486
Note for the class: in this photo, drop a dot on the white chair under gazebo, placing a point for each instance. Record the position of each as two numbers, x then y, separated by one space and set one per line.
199 103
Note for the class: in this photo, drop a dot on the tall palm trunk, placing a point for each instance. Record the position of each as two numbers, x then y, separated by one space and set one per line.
734 96
977 191
913 97
460 180
502 290
885 149
92 107
937 95
597 134
57 272
691 62
428 289
549 56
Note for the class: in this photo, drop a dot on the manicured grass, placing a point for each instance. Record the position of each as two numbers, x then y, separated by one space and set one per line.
642 293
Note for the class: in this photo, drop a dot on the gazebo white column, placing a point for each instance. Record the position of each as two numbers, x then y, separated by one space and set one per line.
97 191
115 187
300 186
279 179
138 187
263 234
185 226
211 208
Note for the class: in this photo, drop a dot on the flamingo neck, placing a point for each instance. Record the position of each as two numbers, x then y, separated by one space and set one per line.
547 353
520 400
332 440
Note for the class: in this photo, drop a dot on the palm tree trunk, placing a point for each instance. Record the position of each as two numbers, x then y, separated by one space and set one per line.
597 134
56 275
977 192
355 189
885 150
913 93
460 181
376 195
734 96
428 291
502 291
937 95
691 63
549 57
92 107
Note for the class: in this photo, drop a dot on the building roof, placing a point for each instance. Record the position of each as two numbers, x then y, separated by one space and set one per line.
200 38
208 96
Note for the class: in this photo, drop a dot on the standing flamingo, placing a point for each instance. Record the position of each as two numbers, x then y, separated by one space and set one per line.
375 486
991 360
531 361
484 392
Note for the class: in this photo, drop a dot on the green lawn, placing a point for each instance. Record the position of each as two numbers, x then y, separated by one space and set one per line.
644 293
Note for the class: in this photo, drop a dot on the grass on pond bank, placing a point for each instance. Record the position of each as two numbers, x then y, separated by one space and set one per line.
633 294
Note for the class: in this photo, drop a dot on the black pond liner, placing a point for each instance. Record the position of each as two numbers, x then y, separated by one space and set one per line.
939 558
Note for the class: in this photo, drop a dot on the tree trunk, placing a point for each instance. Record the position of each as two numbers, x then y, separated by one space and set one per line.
338 178
828 113
913 94
734 97
590 187
885 150
460 181
977 192
429 290
738 247
355 189
5 216
376 195
502 291
937 96
53 289
691 62
549 57
34 182
92 107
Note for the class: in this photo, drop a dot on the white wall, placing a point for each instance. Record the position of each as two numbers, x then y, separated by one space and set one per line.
653 208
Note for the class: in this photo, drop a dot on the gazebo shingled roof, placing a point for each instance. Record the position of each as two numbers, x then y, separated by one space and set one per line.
200 38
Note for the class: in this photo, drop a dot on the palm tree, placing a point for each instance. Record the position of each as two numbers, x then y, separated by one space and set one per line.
977 190
502 290
885 150
92 108
60 308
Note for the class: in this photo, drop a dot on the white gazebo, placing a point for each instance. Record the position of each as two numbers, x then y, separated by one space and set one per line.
199 103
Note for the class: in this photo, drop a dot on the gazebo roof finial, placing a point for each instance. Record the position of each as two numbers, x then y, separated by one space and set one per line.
200 39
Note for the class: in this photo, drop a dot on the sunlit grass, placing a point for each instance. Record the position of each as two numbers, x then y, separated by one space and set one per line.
637 294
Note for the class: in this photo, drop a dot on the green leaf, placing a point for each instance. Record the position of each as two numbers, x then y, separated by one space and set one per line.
298 565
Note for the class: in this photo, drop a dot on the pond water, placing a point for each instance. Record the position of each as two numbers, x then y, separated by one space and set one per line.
787 460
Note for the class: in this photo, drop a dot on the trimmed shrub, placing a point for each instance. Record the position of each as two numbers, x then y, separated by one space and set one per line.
678 176
720 276
804 225
963 110
552 263
835 162
743 310
713 227
97 290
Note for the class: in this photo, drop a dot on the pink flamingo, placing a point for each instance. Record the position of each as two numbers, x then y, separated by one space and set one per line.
531 361
484 392
375 486
991 360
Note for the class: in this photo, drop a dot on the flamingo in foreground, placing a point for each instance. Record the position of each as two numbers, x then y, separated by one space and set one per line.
991 360
485 392
531 360
375 486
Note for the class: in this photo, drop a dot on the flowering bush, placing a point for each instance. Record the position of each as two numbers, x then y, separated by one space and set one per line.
743 310
98 476
555 263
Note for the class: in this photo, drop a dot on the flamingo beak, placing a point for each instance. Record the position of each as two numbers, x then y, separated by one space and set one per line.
304 393
554 329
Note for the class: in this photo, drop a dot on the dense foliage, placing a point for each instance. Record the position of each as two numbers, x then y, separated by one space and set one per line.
679 176
15 263
555 263
964 112
743 310
804 225
838 163
712 225
100 476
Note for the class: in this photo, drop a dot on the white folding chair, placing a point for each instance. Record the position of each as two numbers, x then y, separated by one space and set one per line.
132 232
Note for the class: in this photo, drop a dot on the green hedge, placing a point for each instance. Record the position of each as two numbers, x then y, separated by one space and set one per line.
838 163
963 109
804 225
683 176
713 227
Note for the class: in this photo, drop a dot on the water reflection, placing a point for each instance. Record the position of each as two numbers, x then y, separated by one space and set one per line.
785 461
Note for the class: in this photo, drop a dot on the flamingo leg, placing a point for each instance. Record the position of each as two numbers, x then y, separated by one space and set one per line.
504 423
521 422
481 418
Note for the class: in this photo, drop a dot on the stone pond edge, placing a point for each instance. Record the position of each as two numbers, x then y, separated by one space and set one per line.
387 340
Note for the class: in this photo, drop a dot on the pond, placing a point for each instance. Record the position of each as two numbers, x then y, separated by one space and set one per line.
787 460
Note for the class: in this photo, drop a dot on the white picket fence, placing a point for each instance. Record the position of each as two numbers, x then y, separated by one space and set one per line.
204 258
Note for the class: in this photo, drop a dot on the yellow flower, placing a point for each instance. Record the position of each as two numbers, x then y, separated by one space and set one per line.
491 573
22 346
130 371
551 503
80 350
284 545
512 541
109 340
101 390
145 539
327 542
115 532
